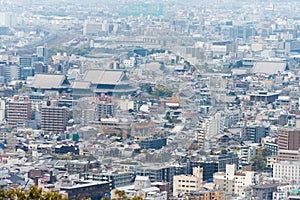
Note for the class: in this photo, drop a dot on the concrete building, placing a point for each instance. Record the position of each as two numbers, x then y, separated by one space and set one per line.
204 195
264 96
142 187
88 115
264 191
232 182
116 179
93 190
2 110
18 110
285 191
212 126
288 138
42 53
288 155
8 19
54 118
188 183
105 108
225 180
287 171
246 152
12 72
256 131
161 173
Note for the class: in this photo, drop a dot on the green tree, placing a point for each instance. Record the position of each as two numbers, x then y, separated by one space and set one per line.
33 193
18 85
238 64
259 161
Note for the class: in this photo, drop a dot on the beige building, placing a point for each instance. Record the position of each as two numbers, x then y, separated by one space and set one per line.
288 155
225 180
205 195
186 183
232 182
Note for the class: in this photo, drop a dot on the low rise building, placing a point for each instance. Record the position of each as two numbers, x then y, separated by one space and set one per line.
188 183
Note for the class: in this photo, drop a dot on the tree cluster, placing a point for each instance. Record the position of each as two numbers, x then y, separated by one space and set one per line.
33 193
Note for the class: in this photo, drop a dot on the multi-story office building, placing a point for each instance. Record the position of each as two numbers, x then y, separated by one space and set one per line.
12 72
27 71
288 138
25 61
42 53
54 118
18 110
255 132
116 179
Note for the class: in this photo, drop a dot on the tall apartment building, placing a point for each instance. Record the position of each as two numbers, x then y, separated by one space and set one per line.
87 116
54 118
18 110
105 108
288 138
209 128
2 110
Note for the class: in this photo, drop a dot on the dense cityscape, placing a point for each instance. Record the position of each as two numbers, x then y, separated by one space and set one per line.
161 100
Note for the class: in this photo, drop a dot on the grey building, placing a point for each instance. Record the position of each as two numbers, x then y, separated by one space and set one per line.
265 191
254 132
115 179
161 173
84 190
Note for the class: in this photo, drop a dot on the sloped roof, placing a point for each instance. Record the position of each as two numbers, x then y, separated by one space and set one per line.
80 85
269 67
48 81
110 77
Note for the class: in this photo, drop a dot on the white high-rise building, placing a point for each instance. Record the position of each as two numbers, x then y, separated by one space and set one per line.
2 110
211 127
7 19
215 125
